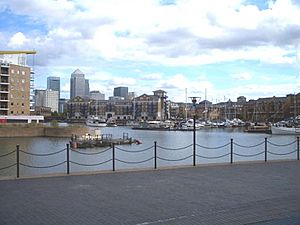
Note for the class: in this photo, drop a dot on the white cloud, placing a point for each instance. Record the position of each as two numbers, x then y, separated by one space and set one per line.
152 76
242 76
17 40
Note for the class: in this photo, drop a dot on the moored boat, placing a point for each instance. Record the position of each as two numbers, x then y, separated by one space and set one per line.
285 130
95 121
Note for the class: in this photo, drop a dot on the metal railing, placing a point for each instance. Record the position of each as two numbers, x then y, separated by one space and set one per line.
230 146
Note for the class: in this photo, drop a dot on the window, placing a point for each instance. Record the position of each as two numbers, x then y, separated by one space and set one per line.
22 104
18 71
22 112
23 81
23 72
11 103
12 71
12 112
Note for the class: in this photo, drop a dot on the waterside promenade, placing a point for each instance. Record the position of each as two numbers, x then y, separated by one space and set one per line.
244 193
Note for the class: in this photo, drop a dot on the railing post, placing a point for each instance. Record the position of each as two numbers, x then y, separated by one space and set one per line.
18 161
266 149
194 142
155 155
297 148
231 150
113 157
68 158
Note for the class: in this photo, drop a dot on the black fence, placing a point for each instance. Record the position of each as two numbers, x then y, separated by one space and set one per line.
155 156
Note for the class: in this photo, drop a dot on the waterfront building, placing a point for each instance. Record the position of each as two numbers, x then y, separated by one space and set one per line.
14 88
97 95
47 98
78 108
148 107
121 92
79 86
162 95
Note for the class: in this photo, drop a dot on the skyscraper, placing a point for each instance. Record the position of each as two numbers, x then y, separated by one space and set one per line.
53 83
121 92
79 86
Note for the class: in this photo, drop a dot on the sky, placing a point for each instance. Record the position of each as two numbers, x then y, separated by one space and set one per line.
229 48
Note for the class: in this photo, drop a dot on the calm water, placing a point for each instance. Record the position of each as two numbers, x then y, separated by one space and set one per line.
208 139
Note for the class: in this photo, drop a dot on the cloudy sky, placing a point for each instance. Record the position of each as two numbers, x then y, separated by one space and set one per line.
229 47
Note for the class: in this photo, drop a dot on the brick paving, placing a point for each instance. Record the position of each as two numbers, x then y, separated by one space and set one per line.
256 193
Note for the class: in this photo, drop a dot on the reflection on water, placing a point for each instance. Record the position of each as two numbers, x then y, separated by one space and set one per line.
209 142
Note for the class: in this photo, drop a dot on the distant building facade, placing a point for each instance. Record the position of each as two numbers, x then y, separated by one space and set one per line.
47 98
121 92
97 95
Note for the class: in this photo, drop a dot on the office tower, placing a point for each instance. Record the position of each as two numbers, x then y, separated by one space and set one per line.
87 88
78 85
53 83
121 92
47 98
97 95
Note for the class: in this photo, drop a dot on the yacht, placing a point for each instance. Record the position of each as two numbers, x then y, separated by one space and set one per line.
291 126
95 121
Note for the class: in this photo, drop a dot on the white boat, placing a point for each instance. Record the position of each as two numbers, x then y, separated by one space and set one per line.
95 121
285 130
290 126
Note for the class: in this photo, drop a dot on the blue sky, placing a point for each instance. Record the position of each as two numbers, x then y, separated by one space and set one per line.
230 48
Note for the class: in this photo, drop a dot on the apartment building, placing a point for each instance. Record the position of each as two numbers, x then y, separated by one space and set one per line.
14 89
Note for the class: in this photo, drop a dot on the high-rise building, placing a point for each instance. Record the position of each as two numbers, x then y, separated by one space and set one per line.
53 83
47 98
121 92
79 86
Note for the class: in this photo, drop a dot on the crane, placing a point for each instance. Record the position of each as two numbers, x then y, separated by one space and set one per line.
17 52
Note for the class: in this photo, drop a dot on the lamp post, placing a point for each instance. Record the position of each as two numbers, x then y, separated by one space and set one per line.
194 101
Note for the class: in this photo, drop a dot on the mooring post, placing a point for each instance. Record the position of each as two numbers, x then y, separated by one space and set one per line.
113 156
18 161
155 155
231 150
266 149
194 142
68 158
297 148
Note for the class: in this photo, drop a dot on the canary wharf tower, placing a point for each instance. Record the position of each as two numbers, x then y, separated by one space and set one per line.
78 84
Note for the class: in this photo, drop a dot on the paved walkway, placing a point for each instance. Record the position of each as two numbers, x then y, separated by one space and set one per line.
258 193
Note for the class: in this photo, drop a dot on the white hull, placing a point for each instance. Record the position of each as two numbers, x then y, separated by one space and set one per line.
285 130
91 124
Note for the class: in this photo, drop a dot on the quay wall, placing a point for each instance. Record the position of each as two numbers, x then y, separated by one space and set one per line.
40 131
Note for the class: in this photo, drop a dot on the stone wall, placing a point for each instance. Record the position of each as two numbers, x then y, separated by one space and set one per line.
40 131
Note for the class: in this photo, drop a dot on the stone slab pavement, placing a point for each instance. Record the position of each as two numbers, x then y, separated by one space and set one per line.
254 193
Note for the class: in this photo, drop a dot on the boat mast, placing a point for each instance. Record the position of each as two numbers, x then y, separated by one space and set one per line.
185 104
205 105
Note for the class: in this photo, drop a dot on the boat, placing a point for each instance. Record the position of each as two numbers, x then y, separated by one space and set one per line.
100 140
95 121
258 129
291 127
285 130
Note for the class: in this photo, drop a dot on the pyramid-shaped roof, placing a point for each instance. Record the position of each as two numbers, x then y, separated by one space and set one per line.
77 72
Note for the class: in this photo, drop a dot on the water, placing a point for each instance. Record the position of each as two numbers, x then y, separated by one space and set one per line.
209 148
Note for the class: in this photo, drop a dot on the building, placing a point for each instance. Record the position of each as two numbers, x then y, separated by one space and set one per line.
121 92
14 89
53 83
97 95
62 105
47 98
131 95
79 86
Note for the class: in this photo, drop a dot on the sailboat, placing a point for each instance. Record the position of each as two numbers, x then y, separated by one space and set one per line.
95 121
